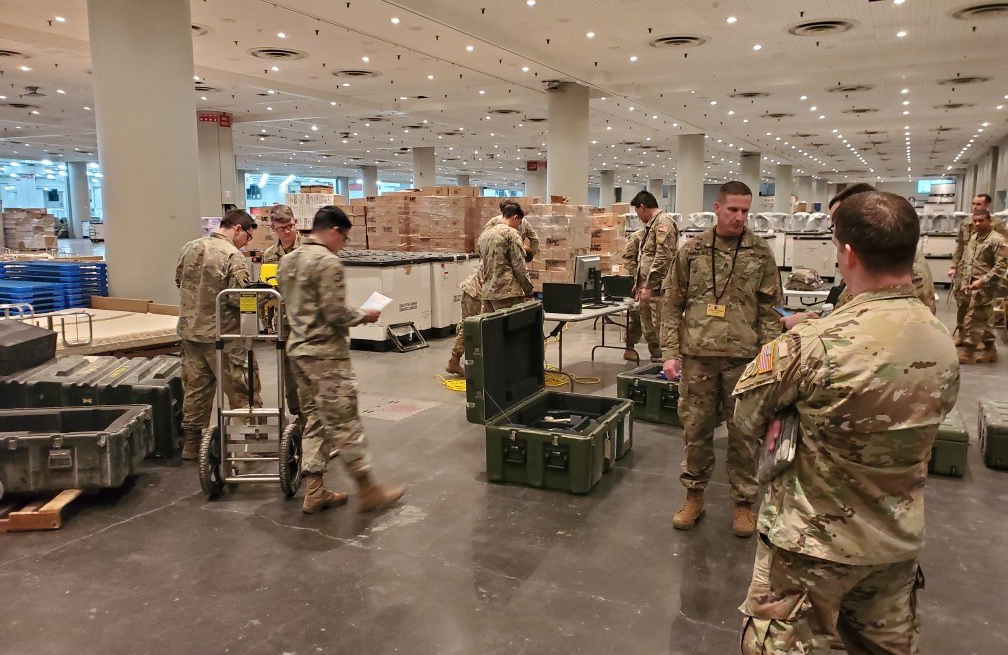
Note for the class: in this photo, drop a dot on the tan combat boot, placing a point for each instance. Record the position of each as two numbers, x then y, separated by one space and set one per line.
958 342
454 367
966 355
988 356
690 512
630 355
191 444
743 520
372 496
318 497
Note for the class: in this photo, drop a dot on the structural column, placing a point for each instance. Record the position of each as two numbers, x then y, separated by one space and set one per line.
536 180
689 174
805 191
423 167
749 172
567 142
784 188
607 189
142 63
657 188
820 195
462 180
217 175
241 188
343 187
80 198
369 175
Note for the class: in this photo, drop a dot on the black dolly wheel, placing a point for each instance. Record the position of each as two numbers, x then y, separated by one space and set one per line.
290 459
209 463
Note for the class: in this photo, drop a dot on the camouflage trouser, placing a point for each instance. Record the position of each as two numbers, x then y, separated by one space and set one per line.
327 389
962 304
795 601
634 330
291 388
650 319
501 303
978 323
199 380
470 307
707 384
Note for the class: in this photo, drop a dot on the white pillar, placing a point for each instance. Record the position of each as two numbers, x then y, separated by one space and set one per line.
423 167
805 190
80 198
567 142
369 174
536 180
832 188
218 178
462 180
142 63
343 187
240 189
784 187
749 172
607 189
656 187
689 174
821 196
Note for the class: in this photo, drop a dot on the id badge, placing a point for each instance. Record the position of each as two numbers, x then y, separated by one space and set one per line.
717 311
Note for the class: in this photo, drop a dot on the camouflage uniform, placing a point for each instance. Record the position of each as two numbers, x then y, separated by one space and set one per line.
505 281
962 239
923 284
714 350
472 289
272 255
841 527
657 254
525 231
312 282
985 258
207 266
631 256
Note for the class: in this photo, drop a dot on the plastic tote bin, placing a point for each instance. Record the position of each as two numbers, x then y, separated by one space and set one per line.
948 455
402 276
539 438
57 448
655 399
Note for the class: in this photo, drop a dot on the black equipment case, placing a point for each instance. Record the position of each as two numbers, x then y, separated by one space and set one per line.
83 380
23 346
539 438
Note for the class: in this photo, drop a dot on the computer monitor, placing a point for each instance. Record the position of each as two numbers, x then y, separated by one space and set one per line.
588 274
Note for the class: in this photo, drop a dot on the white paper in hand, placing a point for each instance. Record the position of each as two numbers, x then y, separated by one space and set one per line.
376 302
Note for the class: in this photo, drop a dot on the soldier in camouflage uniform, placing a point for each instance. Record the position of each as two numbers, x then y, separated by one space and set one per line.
719 299
842 525
983 267
631 257
981 203
207 266
282 222
314 291
657 254
525 231
505 279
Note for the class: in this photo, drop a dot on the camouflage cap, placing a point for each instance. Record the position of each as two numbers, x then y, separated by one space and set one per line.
804 279
281 214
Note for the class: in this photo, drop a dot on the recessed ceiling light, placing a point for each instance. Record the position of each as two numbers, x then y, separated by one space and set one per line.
757 47
403 98
731 19
430 77
25 68
269 109
201 98
469 48
530 3
525 69
901 34
333 103
60 91
590 35
813 108
345 84
731 112
35 111
713 102
59 19
482 92
395 21
196 77
274 68
633 58
1000 107
281 35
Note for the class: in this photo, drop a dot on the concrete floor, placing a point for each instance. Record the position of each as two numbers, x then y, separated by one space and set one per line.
461 566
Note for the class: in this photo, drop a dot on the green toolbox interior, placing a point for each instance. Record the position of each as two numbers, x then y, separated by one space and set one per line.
549 439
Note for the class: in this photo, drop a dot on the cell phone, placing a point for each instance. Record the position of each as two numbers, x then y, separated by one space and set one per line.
783 311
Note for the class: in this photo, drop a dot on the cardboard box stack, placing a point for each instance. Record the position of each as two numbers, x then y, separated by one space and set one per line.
390 224
304 205
441 224
29 229
564 233
608 239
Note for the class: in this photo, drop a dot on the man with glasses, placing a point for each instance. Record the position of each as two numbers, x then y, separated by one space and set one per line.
207 266
313 285
282 222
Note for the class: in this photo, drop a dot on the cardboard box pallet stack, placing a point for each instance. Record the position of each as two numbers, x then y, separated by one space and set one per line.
304 205
608 239
29 229
564 233
389 220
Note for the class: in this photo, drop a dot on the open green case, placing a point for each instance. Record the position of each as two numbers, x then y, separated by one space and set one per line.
539 438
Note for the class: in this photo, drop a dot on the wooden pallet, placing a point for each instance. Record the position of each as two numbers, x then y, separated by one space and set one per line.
37 514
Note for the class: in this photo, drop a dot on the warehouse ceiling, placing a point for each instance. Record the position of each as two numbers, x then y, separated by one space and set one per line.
842 89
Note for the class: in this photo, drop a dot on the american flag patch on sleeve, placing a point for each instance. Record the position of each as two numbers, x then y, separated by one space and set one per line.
766 358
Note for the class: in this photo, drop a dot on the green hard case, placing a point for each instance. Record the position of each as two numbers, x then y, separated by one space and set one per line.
948 455
655 400
993 429
506 392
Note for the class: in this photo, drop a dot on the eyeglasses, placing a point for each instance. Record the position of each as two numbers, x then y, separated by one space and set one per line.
286 227
247 233
346 234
